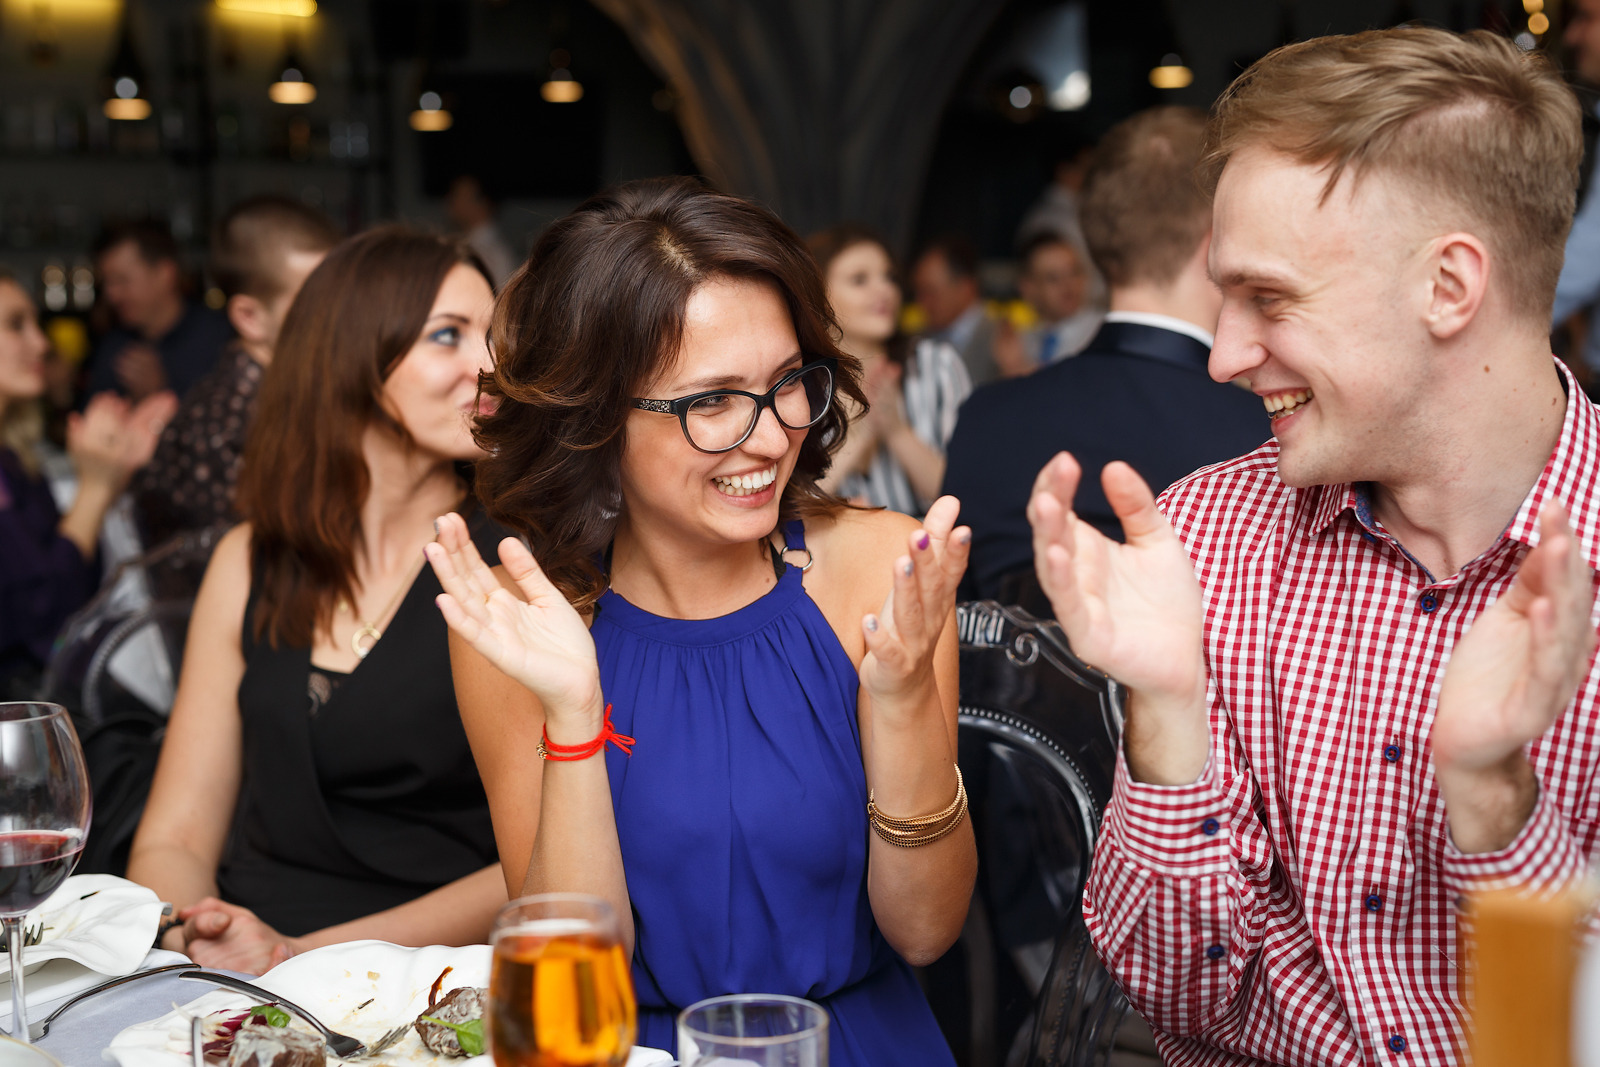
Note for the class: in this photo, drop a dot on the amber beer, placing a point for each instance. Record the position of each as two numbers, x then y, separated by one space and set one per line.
560 994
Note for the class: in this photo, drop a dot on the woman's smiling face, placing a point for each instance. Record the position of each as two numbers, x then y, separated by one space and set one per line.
737 334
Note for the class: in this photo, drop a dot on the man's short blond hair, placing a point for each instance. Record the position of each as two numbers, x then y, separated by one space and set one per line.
1470 122
1142 212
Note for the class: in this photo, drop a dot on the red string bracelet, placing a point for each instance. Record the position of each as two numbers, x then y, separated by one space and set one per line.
549 750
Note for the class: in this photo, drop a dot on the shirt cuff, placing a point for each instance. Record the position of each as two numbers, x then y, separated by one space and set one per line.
1543 857
1172 830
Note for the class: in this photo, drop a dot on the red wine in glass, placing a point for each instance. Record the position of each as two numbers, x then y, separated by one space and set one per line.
33 864
44 818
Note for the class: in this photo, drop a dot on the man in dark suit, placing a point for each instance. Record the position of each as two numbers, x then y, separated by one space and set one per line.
1139 392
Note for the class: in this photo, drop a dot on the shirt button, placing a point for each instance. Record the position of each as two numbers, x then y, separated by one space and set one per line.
1210 827
1397 1043
1216 952
1391 753
1428 603
1374 903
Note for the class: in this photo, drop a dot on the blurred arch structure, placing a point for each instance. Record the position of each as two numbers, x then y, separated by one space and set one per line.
824 110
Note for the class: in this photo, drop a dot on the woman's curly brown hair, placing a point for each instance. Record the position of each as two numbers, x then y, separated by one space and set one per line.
589 321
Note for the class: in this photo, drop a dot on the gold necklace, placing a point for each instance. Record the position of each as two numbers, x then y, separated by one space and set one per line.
369 630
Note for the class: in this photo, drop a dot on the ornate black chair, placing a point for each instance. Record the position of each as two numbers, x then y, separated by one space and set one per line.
115 667
1039 730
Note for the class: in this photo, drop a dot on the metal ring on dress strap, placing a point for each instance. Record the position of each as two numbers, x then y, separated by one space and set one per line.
810 559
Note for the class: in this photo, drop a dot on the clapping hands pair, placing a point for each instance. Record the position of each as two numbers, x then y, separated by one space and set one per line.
1134 611
540 641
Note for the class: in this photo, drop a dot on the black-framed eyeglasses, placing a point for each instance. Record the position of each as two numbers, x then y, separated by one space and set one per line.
720 420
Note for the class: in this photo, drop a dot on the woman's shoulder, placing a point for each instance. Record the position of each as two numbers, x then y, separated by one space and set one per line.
860 543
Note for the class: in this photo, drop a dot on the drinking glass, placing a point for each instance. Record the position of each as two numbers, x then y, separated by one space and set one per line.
560 994
753 1030
44 819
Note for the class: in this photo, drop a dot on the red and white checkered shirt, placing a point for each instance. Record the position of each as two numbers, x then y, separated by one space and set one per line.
1297 904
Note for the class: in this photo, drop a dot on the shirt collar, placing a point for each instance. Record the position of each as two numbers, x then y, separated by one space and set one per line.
1571 477
1165 322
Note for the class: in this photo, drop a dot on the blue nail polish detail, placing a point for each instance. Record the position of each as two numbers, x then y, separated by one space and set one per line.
907 567
872 623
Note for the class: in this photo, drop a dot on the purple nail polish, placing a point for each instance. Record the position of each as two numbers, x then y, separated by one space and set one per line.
922 541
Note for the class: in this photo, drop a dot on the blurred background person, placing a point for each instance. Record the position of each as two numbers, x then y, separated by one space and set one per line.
47 560
1140 392
1055 285
161 339
1056 212
893 454
315 717
1577 303
944 280
473 214
261 253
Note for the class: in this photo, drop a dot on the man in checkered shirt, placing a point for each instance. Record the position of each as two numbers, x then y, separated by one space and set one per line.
1380 692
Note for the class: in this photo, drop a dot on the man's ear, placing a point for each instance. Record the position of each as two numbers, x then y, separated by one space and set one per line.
1458 283
249 318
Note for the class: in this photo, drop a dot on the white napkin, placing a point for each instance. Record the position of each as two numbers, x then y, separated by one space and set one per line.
104 923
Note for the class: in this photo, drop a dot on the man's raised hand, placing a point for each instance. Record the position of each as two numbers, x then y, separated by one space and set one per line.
1132 610
1509 679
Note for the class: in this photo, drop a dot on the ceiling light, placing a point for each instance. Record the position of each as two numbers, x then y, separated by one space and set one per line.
1171 74
297 8
561 89
1538 23
124 79
430 115
293 84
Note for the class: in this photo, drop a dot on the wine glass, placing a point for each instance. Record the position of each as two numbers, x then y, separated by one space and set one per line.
44 819
560 994
753 1030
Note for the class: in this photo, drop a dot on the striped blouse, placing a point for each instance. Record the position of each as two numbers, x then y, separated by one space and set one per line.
934 383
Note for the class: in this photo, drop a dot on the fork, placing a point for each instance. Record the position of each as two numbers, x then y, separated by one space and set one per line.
342 1046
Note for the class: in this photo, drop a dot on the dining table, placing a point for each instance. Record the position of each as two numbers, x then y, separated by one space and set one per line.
78 1038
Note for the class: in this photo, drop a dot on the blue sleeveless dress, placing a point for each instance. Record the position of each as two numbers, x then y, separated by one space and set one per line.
742 815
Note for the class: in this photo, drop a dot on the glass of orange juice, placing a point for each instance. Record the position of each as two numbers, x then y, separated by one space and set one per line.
560 994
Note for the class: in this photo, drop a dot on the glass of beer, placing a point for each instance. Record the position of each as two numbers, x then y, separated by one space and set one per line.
560 994
753 1030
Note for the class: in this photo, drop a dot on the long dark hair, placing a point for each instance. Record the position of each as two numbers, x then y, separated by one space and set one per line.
589 320
827 245
304 477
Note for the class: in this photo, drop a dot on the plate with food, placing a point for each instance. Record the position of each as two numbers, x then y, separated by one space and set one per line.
364 989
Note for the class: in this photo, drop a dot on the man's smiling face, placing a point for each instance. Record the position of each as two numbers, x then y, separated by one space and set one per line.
1322 313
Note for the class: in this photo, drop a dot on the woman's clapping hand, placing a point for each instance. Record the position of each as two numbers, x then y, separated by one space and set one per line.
113 438
538 640
902 637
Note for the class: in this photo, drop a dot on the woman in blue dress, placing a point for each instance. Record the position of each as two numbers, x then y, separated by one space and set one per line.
667 394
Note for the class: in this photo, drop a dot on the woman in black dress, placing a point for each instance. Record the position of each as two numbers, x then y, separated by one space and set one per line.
316 683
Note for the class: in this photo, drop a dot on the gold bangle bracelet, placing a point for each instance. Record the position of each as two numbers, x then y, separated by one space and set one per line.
909 833
921 822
